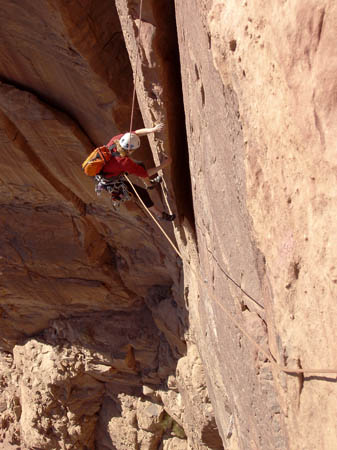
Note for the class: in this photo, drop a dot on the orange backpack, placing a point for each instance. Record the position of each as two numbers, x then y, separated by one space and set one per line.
96 161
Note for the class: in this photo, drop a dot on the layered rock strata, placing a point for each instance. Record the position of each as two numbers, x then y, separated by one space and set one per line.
78 280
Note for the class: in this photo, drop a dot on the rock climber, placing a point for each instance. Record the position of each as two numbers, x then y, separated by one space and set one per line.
112 172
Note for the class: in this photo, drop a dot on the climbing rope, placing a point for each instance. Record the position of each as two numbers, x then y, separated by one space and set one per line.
136 67
261 349
154 219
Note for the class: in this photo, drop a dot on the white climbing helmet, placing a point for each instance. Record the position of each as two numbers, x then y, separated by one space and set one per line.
129 141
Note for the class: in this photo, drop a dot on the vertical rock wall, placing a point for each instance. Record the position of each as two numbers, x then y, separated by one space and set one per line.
159 93
230 265
281 62
259 102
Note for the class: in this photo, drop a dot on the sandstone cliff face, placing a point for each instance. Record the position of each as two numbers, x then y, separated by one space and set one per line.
280 61
78 280
110 341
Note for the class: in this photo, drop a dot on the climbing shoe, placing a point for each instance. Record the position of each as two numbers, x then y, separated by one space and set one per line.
168 217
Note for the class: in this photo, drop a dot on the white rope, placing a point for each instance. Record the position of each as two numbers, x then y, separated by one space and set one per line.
136 67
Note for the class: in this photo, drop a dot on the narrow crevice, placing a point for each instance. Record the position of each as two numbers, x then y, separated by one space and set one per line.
166 46
320 26
300 382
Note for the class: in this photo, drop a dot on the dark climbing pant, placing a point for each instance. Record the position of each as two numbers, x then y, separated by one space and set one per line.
143 194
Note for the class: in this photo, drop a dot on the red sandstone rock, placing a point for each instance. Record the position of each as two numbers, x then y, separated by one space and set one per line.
91 300
68 262
281 71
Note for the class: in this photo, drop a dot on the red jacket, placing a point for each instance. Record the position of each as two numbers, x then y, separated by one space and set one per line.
120 164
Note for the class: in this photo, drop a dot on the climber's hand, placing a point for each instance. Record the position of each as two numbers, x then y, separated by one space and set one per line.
158 127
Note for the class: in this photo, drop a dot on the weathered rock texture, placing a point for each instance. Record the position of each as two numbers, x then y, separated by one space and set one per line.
280 61
78 281
108 340
260 105
240 381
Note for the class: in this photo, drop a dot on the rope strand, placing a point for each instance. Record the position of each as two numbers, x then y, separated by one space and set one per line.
136 68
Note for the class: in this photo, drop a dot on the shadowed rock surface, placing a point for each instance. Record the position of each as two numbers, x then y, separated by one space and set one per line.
108 339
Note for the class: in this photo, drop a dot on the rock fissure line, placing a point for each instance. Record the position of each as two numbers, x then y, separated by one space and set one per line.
166 46
53 105
81 281
21 143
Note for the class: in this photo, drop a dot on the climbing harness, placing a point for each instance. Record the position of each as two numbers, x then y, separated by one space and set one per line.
261 349
115 186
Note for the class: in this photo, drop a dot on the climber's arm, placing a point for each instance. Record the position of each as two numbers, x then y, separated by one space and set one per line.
163 165
145 131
